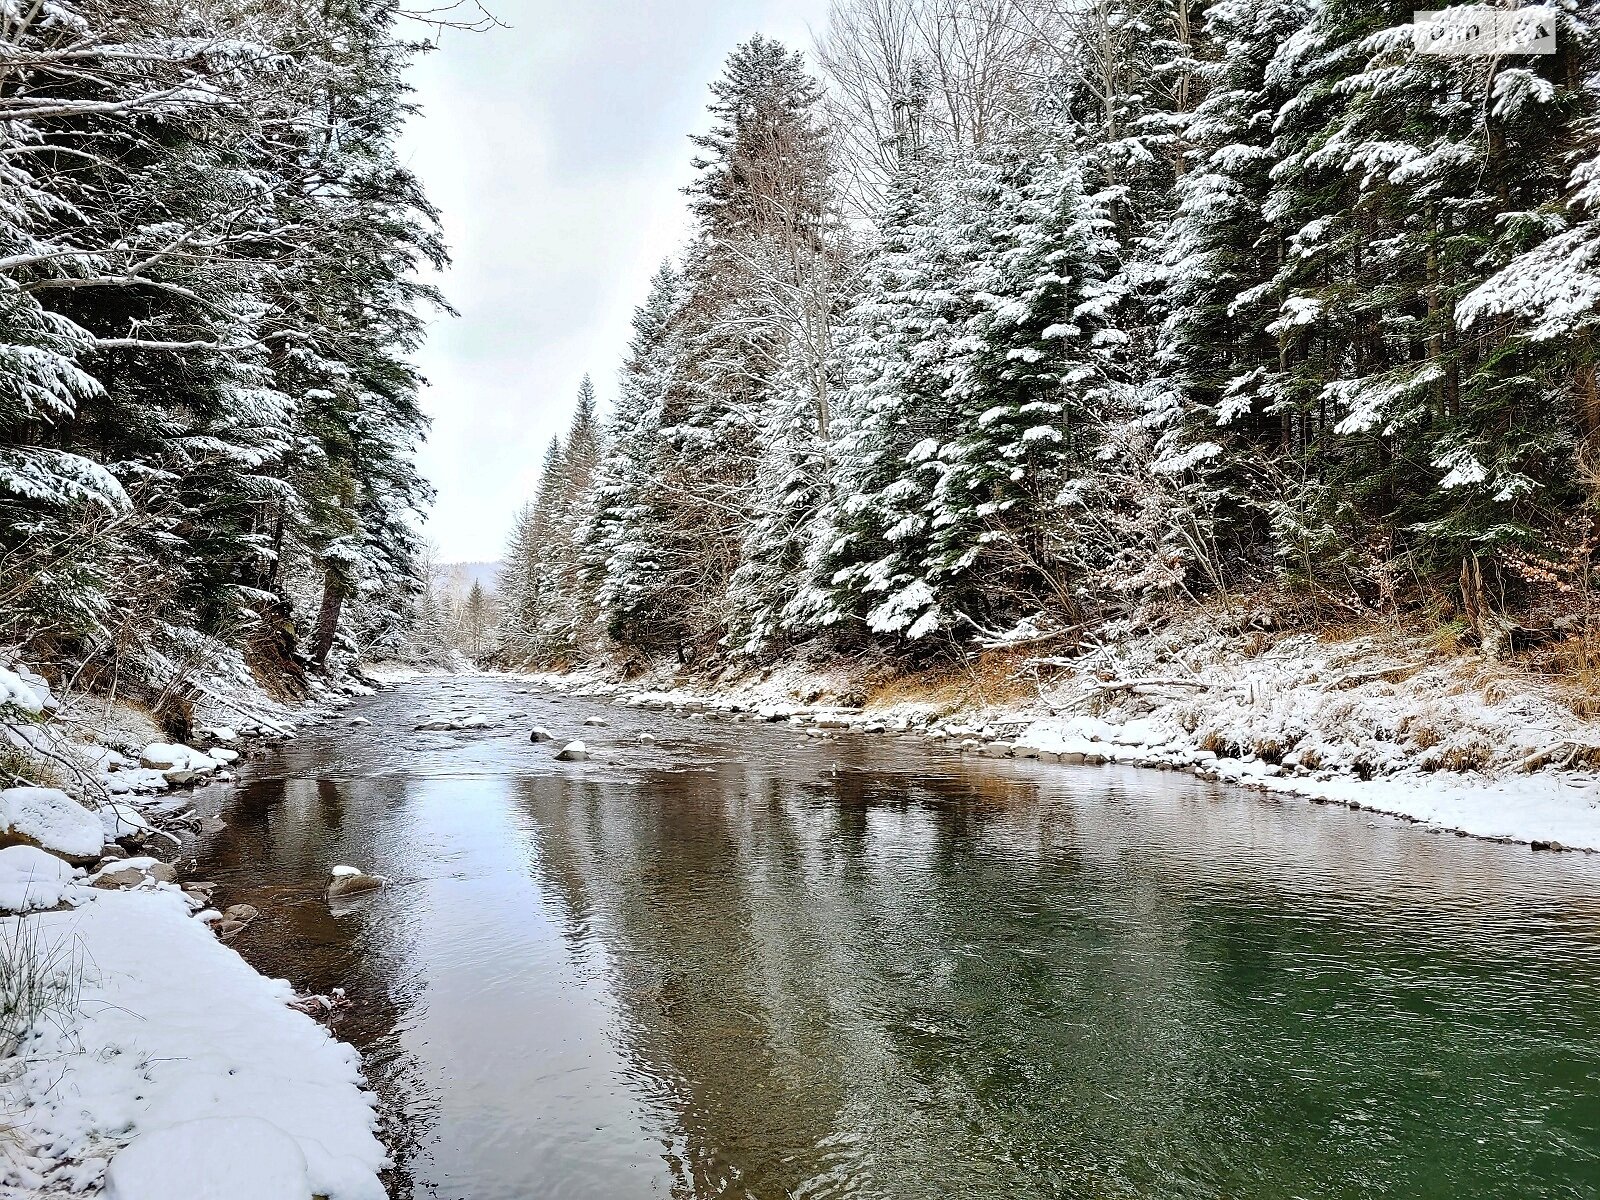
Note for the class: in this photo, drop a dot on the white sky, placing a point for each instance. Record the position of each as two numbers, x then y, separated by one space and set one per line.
555 150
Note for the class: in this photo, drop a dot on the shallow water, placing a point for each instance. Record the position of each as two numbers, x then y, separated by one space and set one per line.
741 964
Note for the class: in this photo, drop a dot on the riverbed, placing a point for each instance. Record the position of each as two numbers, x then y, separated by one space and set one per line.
739 962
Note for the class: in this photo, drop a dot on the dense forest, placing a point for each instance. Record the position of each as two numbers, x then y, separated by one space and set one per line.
1040 310
211 269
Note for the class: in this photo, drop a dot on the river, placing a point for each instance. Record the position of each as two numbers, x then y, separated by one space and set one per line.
738 963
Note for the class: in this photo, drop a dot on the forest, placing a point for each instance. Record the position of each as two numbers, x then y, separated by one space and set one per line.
213 270
1004 317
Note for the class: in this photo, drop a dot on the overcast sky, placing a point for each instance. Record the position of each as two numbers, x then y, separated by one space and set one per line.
555 150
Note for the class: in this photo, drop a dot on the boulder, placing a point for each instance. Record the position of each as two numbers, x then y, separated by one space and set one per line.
132 873
573 752
120 820
51 820
351 881
540 734
167 756
595 721
647 739
31 879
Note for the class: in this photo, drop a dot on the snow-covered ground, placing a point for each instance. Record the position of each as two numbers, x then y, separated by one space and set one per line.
1376 721
180 1068
156 1062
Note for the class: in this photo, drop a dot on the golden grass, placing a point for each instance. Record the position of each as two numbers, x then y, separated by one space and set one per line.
995 677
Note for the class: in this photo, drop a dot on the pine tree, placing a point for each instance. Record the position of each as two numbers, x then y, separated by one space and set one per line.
636 578
760 194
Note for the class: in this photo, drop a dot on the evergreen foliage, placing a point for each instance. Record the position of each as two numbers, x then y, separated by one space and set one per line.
1155 299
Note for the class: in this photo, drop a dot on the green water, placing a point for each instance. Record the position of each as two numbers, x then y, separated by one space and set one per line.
736 964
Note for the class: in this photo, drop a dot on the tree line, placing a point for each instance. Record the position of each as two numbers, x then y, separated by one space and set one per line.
1038 309
209 281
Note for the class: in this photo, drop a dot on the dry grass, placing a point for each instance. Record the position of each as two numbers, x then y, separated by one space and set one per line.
1474 756
17 767
1425 737
995 677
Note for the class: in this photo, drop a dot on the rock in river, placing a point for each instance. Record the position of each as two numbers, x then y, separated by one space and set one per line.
573 752
348 881
540 734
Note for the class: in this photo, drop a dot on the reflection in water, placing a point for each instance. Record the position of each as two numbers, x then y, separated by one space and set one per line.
736 964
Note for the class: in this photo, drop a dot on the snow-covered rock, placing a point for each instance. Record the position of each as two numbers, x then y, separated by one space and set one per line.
573 752
348 881
52 820
595 721
540 734
169 756
240 1158
31 879
21 688
120 820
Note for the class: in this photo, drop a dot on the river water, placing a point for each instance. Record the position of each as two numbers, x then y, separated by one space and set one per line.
737 963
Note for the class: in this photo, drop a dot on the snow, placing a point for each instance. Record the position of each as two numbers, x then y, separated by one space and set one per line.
240 1158
32 879
119 820
1544 808
178 757
343 870
52 819
174 1028
23 689
1376 720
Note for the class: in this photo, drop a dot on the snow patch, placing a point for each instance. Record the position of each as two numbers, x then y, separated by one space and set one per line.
174 1029
52 819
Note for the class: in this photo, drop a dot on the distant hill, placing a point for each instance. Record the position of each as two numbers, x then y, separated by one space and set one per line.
457 578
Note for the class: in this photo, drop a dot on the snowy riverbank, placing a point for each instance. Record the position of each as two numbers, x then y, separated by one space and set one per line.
1376 721
145 1058
179 1071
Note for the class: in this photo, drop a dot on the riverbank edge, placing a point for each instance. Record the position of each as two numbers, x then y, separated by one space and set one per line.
1374 722
160 1035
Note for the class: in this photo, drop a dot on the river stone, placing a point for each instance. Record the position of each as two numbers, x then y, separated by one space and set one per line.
647 738
243 913
540 734
573 752
436 727
595 721
351 881
49 819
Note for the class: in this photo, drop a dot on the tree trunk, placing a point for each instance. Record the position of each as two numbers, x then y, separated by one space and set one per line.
327 618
